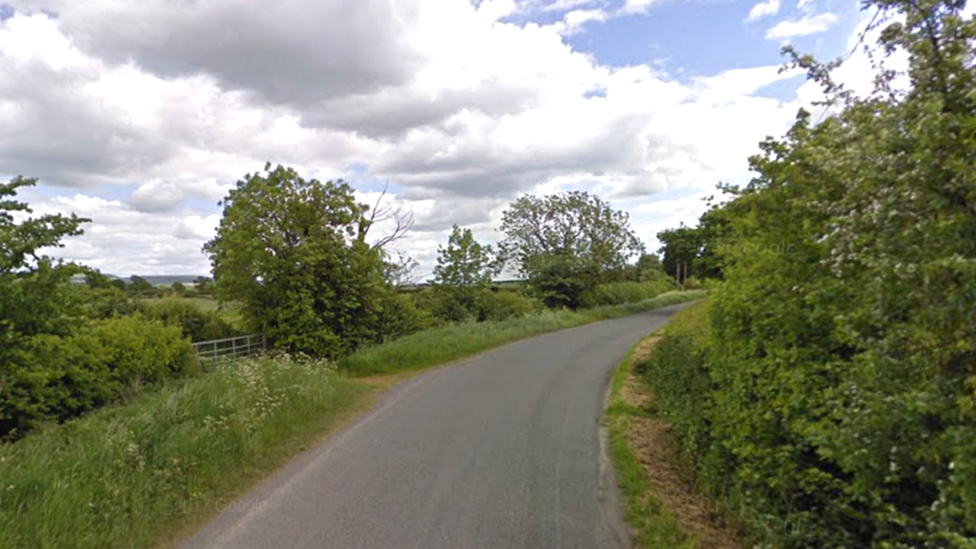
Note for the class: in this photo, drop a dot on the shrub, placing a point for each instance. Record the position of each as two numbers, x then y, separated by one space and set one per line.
402 316
194 322
505 304
52 378
618 293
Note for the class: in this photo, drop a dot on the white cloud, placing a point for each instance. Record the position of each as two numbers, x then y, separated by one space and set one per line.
637 6
143 129
763 9
575 20
567 5
812 24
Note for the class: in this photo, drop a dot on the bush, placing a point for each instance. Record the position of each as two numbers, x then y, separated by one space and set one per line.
402 316
194 322
619 293
52 378
678 372
503 304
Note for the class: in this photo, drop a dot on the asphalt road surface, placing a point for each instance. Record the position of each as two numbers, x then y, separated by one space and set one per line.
502 450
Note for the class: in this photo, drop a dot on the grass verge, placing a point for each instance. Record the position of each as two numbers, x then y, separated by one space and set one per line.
650 520
137 474
440 345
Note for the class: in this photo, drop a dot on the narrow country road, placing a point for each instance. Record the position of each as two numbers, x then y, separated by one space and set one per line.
499 451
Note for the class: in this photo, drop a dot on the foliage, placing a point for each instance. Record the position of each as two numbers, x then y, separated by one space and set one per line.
464 262
565 243
53 378
694 251
618 293
133 476
505 304
463 276
34 298
678 372
680 248
403 316
833 401
454 341
194 322
294 253
139 285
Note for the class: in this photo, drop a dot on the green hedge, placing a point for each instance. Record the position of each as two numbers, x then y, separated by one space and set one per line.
51 378
619 293
678 372
812 448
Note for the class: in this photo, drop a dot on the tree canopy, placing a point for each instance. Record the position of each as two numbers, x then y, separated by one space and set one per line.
294 253
33 295
464 261
565 243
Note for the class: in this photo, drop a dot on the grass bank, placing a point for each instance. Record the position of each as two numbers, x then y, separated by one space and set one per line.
651 521
136 474
663 505
440 345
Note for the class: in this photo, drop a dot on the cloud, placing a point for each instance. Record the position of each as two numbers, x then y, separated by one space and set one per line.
122 241
290 52
575 20
460 109
637 6
568 5
763 9
812 24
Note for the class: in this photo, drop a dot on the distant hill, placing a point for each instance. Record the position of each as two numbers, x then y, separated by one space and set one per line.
167 280
155 280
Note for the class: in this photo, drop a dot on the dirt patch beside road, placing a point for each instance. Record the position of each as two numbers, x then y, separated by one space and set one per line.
653 444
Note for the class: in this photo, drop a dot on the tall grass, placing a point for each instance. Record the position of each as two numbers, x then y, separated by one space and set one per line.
129 475
432 347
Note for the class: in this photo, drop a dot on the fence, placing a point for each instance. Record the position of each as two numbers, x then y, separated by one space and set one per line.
231 348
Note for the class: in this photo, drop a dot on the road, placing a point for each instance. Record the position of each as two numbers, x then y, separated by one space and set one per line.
502 450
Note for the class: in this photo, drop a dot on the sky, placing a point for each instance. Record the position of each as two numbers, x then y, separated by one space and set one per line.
141 115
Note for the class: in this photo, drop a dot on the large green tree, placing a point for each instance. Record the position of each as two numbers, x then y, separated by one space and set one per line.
566 243
294 253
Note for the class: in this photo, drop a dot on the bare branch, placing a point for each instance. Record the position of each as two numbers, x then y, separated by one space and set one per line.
382 212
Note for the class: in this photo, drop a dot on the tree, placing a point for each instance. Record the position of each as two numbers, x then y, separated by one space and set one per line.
463 275
680 249
36 301
694 251
140 285
34 295
203 285
565 243
464 262
400 269
294 253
